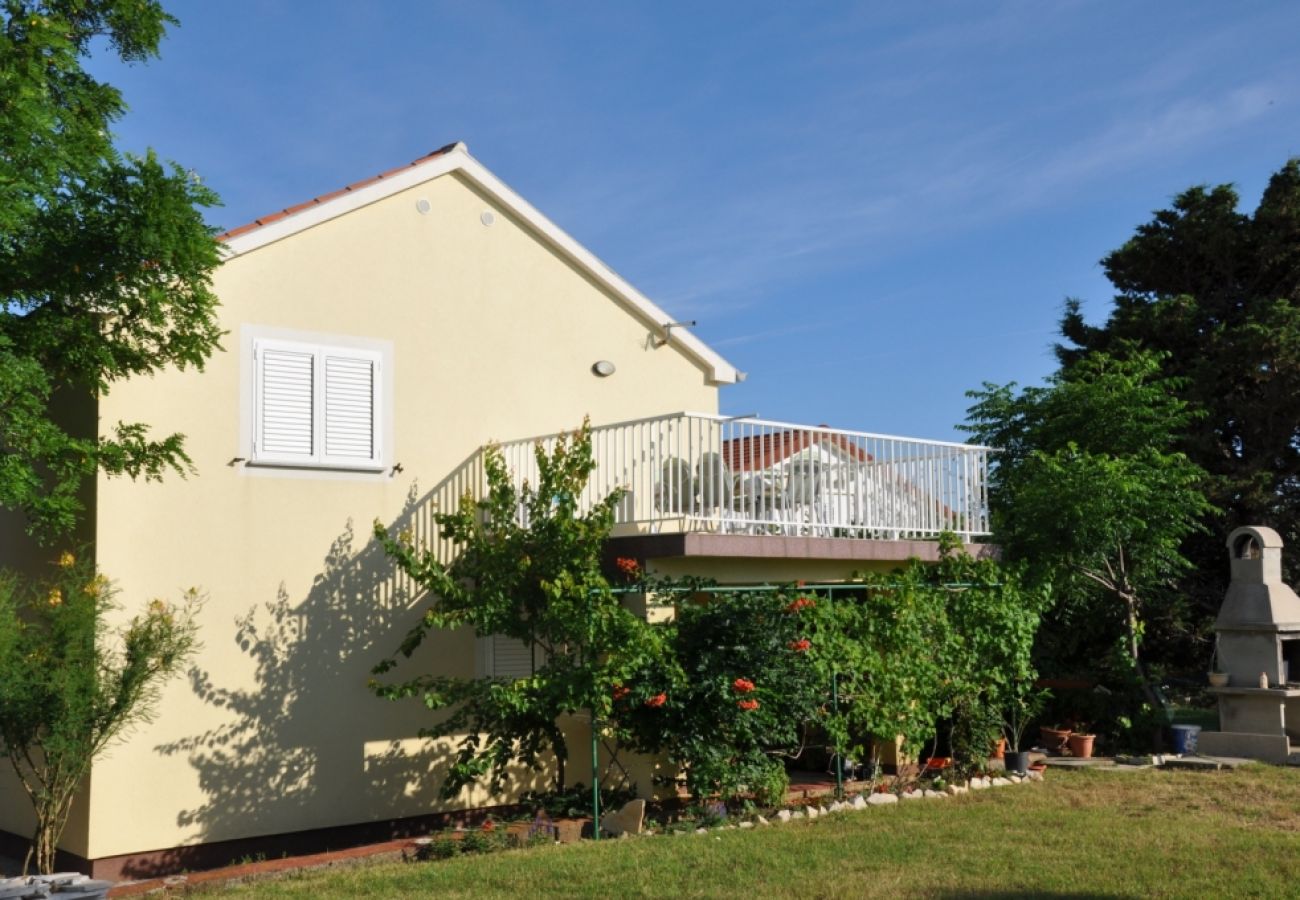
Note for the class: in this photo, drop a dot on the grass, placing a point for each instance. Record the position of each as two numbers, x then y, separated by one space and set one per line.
1079 834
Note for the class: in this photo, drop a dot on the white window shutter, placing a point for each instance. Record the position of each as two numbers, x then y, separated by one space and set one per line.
350 404
510 658
286 414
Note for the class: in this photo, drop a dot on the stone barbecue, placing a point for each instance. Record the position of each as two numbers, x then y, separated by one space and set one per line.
1259 648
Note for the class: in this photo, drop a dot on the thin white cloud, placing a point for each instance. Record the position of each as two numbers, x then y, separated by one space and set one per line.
758 240
757 336
1137 140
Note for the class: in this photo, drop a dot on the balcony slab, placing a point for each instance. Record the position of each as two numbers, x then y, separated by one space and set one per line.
698 545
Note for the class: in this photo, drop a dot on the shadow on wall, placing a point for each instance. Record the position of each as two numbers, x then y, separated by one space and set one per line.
309 745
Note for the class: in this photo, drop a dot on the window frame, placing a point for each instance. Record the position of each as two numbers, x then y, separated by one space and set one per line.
318 459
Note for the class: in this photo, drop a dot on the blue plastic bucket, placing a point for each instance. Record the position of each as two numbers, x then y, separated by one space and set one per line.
1185 737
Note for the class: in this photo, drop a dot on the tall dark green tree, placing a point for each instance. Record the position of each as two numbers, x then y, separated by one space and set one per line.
1216 291
105 260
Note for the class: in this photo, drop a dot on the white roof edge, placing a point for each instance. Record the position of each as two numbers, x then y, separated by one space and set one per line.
459 159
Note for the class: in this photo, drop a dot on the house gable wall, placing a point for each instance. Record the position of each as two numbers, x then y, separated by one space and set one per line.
493 336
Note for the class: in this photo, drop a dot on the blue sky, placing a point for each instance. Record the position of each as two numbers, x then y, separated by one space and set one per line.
868 208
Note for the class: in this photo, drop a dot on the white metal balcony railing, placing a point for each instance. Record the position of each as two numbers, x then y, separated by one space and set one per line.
699 472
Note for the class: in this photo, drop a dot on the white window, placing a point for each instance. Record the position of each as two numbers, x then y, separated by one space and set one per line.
316 405
504 657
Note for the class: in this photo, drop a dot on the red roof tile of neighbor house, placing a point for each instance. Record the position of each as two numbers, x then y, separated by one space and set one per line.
758 452
324 198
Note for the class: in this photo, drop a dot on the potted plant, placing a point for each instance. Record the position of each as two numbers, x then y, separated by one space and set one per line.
1053 737
1022 705
1218 677
1080 743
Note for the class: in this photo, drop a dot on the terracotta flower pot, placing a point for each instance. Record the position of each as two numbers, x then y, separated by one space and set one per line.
1000 748
1054 739
570 831
1081 745
1219 679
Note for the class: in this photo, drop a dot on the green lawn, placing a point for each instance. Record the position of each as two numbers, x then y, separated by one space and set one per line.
1081 834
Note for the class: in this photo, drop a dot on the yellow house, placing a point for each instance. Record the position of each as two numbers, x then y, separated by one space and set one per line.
378 337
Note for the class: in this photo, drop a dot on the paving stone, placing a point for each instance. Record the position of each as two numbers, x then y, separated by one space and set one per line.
784 815
882 799
935 795
979 784
859 802
958 789
746 824
1000 782
762 821
796 814
701 831
811 812
1014 779
913 795
1212 763
1035 776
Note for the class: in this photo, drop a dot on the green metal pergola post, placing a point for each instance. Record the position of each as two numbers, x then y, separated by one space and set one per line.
595 755
835 708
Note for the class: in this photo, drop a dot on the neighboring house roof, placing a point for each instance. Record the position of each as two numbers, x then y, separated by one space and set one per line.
455 157
763 451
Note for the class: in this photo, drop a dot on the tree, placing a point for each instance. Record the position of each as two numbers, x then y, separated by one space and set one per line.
1216 293
105 260
534 577
1088 484
105 266
70 685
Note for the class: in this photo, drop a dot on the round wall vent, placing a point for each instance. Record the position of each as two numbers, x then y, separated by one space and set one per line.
487 218
423 206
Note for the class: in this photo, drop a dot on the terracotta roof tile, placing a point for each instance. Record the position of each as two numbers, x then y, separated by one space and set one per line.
325 198
754 454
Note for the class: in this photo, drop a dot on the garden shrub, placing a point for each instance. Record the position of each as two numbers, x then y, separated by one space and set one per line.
927 642
575 800
71 684
732 695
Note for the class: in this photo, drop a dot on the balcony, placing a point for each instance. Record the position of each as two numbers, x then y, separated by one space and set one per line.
698 473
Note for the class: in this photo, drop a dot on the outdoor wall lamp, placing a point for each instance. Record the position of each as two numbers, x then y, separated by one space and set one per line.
668 331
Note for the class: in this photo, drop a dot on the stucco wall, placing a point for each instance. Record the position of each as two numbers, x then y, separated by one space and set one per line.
493 337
